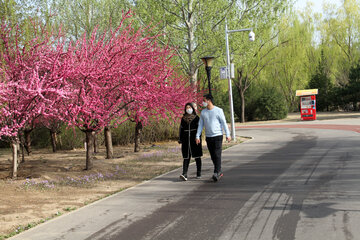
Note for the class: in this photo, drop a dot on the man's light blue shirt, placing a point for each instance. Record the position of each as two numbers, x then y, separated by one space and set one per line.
214 121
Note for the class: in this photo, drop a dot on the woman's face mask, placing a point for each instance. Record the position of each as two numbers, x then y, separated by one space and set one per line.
189 110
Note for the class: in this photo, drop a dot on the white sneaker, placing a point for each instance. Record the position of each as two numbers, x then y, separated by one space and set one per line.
183 177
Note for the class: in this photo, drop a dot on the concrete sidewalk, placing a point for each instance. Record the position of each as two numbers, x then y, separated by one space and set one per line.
119 210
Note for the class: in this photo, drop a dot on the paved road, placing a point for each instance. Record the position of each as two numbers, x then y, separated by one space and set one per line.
285 183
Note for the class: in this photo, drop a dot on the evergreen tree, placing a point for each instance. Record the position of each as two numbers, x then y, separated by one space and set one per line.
353 88
321 81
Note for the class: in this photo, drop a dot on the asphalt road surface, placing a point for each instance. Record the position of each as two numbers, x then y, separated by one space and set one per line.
286 183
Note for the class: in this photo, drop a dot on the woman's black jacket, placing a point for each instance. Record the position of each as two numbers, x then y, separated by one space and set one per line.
187 138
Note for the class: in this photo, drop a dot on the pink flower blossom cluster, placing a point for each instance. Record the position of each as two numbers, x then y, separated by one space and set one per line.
97 81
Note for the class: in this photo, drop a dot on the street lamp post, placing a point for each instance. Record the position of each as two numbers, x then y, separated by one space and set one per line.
251 38
208 61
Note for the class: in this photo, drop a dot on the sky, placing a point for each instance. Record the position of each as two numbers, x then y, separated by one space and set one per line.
301 4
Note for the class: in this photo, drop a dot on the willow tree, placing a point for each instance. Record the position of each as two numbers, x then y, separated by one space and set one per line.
251 58
83 16
193 27
295 58
340 32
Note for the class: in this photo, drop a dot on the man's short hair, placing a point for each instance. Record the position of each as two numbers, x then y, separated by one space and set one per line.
209 97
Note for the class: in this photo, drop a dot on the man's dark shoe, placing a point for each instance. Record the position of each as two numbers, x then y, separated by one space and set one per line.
214 177
217 176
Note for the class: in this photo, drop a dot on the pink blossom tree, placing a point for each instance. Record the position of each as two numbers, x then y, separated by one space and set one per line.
93 83
165 99
32 80
107 72
120 72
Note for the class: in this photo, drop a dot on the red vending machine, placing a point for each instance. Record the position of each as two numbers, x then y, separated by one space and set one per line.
307 103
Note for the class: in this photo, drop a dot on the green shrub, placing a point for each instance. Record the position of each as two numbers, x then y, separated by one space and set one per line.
252 95
160 131
154 131
123 134
262 102
70 138
271 105
40 138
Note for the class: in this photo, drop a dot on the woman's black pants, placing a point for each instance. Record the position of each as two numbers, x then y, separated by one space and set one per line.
186 166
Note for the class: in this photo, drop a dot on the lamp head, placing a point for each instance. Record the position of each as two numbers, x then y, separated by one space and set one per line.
252 36
208 61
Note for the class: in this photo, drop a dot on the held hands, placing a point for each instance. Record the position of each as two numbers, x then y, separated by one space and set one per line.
228 139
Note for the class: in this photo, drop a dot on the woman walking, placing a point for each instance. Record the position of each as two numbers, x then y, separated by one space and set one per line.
189 148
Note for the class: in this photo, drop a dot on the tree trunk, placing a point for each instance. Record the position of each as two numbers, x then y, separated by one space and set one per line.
89 144
14 147
27 142
242 95
58 138
189 21
96 145
21 146
138 129
108 143
53 140
241 90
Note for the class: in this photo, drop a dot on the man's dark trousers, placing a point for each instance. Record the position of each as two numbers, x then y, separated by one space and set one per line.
214 144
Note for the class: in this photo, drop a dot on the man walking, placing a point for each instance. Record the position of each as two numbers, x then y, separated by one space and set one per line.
213 119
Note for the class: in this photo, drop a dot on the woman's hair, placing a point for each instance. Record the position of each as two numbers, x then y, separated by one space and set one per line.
192 106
